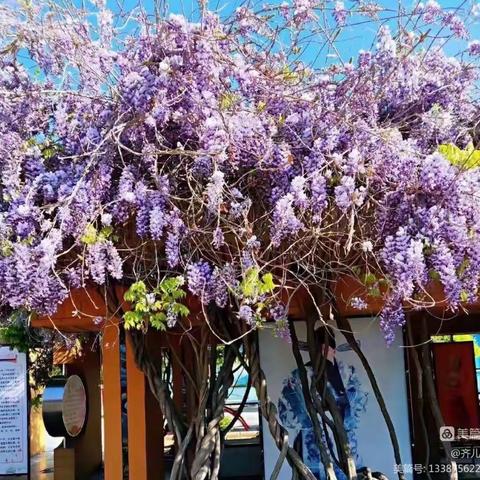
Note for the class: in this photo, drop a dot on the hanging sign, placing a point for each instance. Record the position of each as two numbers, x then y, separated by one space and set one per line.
65 406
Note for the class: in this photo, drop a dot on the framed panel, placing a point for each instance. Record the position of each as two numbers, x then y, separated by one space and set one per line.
456 383
14 421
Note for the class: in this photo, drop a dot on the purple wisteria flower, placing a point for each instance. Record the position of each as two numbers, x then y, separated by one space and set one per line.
285 221
245 313
198 277
474 48
340 13
195 150
358 303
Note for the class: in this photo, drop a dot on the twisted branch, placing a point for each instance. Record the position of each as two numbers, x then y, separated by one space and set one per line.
159 388
346 329
269 410
326 460
209 443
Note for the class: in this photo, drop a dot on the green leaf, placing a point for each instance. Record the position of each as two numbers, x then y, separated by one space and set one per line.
374 292
48 152
105 233
370 279
158 320
250 283
133 320
6 248
463 266
267 283
464 296
89 237
135 292
464 159
157 305
259 307
224 423
141 306
261 106
227 100
154 309
288 74
434 275
181 309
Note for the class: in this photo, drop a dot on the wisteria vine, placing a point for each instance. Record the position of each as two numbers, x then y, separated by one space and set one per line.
139 149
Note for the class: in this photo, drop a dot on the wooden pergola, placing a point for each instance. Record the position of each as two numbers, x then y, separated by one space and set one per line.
145 420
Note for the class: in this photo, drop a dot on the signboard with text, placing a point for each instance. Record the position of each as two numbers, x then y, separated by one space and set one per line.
64 406
74 410
14 456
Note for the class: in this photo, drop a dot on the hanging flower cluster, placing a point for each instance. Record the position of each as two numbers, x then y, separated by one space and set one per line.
135 151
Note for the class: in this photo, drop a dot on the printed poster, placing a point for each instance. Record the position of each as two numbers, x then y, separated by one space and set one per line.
14 456
456 383
368 436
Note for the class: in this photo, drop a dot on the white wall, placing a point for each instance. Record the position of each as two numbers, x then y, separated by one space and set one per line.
374 445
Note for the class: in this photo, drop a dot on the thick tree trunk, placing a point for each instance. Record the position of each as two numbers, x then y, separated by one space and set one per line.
203 437
323 400
269 410
420 402
319 434
207 456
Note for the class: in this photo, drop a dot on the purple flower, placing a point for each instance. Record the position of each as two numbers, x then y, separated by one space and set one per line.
214 191
176 229
346 195
297 189
474 48
404 261
358 303
431 11
103 257
198 277
285 221
456 25
318 188
158 221
444 264
245 313
252 243
172 318
391 318
340 13
196 133
218 238
304 11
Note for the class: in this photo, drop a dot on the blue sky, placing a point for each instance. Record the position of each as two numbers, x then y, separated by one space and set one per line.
349 42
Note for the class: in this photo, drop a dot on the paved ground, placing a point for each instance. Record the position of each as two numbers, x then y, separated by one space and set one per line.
42 466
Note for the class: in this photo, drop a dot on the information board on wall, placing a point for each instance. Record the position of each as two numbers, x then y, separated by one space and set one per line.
14 456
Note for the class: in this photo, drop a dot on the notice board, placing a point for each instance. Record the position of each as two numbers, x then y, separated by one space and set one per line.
14 455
